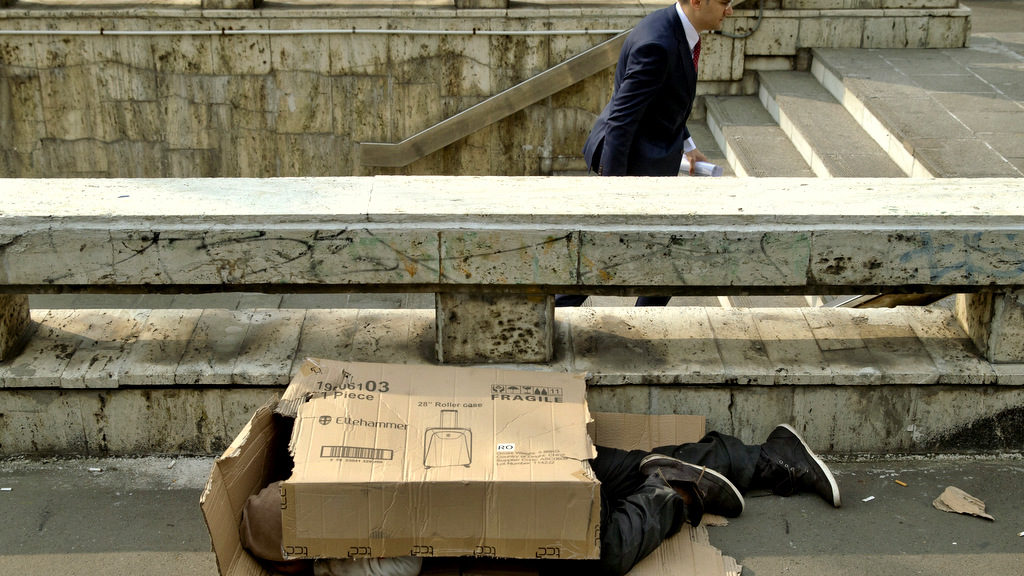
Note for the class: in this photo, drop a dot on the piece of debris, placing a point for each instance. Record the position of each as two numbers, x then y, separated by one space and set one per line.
901 483
957 501
96 470
171 465
868 499
714 520
6 489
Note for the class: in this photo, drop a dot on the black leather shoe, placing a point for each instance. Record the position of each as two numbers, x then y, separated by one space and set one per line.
718 494
795 467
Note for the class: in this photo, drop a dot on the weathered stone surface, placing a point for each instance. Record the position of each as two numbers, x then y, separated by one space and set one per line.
236 94
14 324
103 345
744 369
775 36
684 258
865 4
428 234
827 32
995 322
469 4
161 343
912 257
484 257
489 328
47 353
228 4
419 233
122 422
631 344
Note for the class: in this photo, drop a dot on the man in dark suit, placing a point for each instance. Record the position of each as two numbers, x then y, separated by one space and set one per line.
642 131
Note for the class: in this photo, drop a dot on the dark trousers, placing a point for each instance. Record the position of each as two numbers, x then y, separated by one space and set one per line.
563 300
724 454
638 512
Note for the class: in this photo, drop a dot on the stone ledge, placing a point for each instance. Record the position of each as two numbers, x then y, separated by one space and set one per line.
676 346
435 234
185 381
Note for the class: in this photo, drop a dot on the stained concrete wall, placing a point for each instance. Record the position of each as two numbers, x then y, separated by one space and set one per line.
180 92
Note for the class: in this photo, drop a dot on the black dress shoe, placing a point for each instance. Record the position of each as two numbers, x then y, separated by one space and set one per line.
718 494
793 466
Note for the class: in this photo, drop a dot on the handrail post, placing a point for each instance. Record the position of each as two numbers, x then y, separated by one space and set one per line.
230 4
14 322
995 322
475 327
471 4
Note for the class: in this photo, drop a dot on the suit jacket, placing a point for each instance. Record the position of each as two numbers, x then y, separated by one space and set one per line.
642 129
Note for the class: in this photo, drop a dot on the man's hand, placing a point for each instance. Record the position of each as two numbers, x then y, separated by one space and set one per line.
695 156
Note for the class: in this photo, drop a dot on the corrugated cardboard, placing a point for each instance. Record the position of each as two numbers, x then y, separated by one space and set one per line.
253 459
688 553
241 471
644 431
394 460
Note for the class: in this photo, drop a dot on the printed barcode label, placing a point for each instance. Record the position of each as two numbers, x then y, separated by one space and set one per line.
356 452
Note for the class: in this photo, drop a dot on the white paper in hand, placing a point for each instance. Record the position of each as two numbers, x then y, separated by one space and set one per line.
699 168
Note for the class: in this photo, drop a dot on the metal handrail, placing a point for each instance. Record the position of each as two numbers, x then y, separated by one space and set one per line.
493 109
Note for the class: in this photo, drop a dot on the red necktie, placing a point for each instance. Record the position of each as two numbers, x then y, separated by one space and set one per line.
696 53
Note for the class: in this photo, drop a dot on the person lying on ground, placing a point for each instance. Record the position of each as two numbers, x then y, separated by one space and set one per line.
646 496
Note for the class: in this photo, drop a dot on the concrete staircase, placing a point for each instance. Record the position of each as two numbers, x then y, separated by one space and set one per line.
879 113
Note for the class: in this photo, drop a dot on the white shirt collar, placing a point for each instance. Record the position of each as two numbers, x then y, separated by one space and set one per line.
692 36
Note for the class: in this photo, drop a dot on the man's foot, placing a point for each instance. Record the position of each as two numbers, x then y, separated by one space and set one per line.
797 467
718 494
693 504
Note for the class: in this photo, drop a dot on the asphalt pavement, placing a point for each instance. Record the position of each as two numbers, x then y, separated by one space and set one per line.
141 516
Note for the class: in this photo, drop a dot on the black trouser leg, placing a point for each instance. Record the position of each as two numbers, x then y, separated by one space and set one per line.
637 514
652 301
564 300
724 454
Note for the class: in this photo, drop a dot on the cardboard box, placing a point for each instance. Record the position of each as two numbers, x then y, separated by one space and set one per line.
259 455
437 461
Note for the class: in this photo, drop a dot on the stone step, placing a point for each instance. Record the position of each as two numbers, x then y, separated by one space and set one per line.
752 142
937 113
824 133
140 381
709 145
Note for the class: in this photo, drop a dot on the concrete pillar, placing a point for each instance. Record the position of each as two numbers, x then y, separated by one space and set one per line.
464 4
995 321
14 323
230 4
480 328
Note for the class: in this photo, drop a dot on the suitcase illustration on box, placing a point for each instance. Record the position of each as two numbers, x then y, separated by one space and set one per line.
447 444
